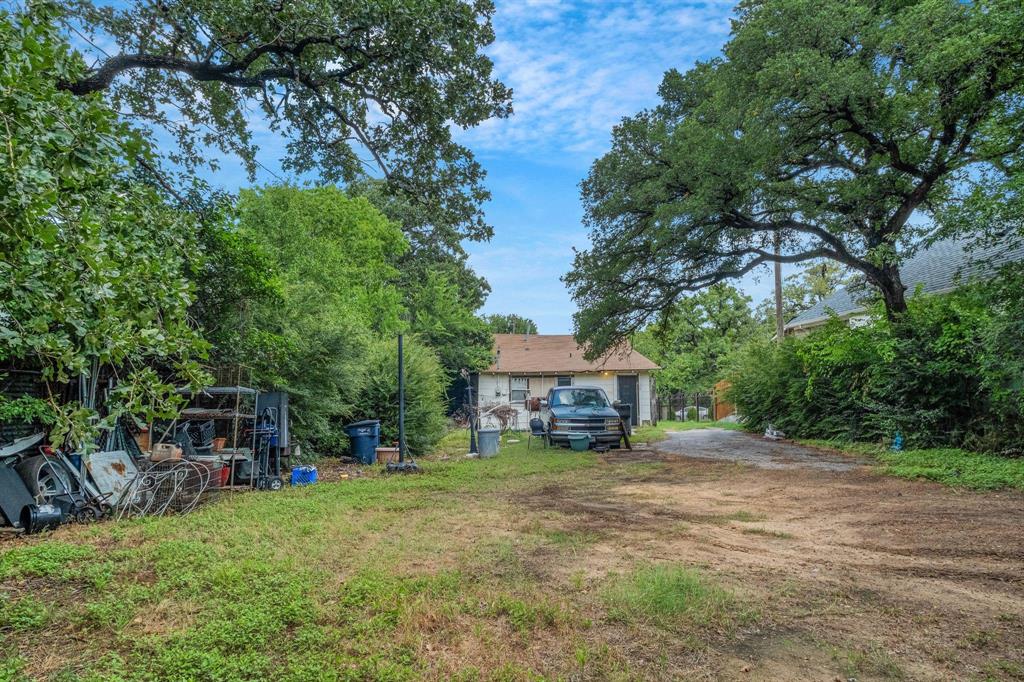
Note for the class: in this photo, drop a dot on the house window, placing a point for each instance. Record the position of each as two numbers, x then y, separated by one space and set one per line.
519 389
564 381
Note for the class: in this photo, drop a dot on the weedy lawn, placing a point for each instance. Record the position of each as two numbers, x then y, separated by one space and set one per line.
398 577
538 564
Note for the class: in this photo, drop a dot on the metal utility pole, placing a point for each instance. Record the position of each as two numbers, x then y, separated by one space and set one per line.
779 322
401 400
401 466
470 409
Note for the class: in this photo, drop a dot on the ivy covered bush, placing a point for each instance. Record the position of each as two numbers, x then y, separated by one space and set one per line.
948 373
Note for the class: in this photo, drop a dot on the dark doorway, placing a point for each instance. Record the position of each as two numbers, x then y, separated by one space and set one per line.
629 392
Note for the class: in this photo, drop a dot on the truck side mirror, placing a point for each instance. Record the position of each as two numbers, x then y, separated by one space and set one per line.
543 403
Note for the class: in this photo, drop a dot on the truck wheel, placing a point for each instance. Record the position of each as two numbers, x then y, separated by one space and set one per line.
45 478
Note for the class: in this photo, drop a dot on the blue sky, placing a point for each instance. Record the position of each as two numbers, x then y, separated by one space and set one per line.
576 67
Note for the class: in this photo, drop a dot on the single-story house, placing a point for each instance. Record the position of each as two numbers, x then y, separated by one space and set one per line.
527 365
937 269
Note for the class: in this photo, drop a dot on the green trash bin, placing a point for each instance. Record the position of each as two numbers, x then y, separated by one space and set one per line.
579 442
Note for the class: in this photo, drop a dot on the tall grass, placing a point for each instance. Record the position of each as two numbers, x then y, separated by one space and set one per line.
670 596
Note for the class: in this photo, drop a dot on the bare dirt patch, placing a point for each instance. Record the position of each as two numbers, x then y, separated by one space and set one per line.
858 575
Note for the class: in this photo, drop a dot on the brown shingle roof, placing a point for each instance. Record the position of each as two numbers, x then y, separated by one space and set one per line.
558 353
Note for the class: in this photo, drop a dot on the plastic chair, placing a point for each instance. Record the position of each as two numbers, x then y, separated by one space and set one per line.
537 431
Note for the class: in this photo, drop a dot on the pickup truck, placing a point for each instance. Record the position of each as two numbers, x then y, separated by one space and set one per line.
580 409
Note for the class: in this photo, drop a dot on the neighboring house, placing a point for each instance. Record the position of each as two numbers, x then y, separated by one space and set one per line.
938 269
527 366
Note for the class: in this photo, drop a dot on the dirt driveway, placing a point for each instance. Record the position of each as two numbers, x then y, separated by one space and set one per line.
858 575
745 448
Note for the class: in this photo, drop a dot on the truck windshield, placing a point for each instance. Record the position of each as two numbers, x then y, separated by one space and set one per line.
579 397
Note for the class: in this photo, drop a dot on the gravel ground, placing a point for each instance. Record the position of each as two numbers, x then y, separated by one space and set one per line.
745 448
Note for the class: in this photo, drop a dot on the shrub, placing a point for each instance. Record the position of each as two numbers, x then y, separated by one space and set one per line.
951 372
425 403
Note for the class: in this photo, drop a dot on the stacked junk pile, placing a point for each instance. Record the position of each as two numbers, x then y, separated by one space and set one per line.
229 438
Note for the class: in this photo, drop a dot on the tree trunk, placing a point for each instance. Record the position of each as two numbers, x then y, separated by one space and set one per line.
780 324
894 293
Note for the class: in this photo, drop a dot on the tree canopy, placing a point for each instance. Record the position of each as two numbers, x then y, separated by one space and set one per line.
333 258
844 128
815 282
692 338
337 79
440 292
510 323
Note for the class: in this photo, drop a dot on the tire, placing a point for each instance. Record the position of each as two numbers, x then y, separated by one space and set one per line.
46 478
275 483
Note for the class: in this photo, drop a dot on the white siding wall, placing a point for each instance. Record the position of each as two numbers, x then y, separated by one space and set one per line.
494 390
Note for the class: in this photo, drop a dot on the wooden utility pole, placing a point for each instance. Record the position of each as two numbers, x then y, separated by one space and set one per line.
779 322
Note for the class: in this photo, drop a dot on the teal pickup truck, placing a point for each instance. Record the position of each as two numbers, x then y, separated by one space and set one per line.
581 409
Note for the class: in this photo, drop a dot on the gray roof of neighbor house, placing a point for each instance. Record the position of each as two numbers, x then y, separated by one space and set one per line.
941 267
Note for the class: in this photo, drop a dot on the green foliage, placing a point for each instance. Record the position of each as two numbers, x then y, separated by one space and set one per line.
11 670
44 560
317 73
949 373
510 323
334 262
694 335
956 467
812 284
25 409
232 273
425 382
440 292
440 317
25 613
93 268
525 616
826 124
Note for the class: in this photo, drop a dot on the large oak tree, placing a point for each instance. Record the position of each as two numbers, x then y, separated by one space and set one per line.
841 128
351 86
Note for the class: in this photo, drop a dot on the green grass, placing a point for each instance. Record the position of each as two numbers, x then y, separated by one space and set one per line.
475 570
334 581
949 466
768 533
870 661
653 434
672 597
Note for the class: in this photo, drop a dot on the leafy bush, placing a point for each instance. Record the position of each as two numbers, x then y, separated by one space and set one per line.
424 393
950 373
93 268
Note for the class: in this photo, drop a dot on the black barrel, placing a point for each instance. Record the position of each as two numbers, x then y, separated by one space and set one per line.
36 518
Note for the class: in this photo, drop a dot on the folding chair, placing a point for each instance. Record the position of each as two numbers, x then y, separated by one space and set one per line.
537 431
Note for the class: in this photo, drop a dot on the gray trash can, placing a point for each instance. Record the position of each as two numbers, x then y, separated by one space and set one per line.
487 440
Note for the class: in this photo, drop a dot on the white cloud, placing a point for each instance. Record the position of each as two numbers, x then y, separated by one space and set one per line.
577 68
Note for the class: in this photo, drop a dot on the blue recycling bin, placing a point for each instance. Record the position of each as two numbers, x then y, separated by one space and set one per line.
365 439
304 475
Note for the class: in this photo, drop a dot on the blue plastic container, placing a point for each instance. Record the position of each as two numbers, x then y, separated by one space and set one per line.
365 439
304 475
